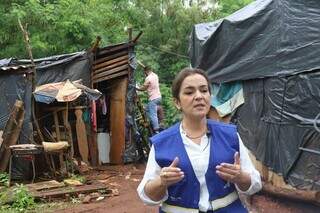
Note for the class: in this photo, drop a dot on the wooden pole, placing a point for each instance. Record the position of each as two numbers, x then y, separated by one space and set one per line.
63 168
137 37
95 46
68 129
56 125
141 64
92 139
130 34
28 47
11 133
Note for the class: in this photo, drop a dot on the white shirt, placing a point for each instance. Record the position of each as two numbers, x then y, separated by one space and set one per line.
199 158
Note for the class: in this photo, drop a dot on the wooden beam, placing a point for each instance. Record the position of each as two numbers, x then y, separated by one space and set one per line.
93 148
111 76
110 57
109 62
137 37
56 125
66 124
113 66
96 44
129 34
45 185
115 49
11 133
141 64
109 72
34 76
70 190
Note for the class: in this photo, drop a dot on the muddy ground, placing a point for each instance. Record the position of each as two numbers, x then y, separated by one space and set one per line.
125 179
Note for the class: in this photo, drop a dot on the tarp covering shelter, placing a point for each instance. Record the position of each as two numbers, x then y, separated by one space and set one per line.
15 80
273 47
16 84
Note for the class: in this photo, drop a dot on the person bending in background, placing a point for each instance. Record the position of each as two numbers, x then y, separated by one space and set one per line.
151 85
197 165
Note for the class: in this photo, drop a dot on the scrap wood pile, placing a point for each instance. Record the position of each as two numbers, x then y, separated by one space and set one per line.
92 191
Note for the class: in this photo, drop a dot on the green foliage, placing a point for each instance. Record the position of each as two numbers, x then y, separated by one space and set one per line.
6 209
22 199
4 179
3 196
79 178
172 115
226 7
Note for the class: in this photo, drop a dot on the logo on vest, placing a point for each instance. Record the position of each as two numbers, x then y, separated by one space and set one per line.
227 185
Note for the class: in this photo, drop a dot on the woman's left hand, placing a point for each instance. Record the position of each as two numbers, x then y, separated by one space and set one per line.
233 173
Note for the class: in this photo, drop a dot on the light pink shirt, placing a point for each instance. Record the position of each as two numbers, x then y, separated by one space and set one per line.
153 89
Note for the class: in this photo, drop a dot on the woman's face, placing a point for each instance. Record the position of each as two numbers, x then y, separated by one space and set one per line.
194 96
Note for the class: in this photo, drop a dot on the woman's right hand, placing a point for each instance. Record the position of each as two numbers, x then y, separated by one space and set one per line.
172 174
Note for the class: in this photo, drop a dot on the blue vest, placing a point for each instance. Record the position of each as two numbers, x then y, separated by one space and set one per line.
186 193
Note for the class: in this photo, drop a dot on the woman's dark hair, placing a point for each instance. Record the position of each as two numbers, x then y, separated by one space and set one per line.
176 84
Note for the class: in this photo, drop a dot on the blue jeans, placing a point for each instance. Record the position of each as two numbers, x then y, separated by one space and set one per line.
152 112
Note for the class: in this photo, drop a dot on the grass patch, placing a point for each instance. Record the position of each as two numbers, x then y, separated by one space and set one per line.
4 179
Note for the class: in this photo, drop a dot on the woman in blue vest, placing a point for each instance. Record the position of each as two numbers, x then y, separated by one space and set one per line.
197 165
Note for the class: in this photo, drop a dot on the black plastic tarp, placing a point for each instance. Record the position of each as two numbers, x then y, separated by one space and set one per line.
17 87
277 119
273 47
73 66
266 38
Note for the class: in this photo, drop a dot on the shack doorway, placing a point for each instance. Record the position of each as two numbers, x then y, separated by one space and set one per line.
111 116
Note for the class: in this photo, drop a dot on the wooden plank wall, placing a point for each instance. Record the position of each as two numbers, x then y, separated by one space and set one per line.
111 62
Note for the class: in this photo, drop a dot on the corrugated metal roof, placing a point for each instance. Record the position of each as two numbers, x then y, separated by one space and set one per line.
16 67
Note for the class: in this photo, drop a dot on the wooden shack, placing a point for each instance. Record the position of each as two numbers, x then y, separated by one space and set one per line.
111 74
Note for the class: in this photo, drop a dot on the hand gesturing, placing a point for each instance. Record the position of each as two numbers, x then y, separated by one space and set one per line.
231 172
172 174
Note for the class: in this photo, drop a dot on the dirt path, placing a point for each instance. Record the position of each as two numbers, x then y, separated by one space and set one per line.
125 179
